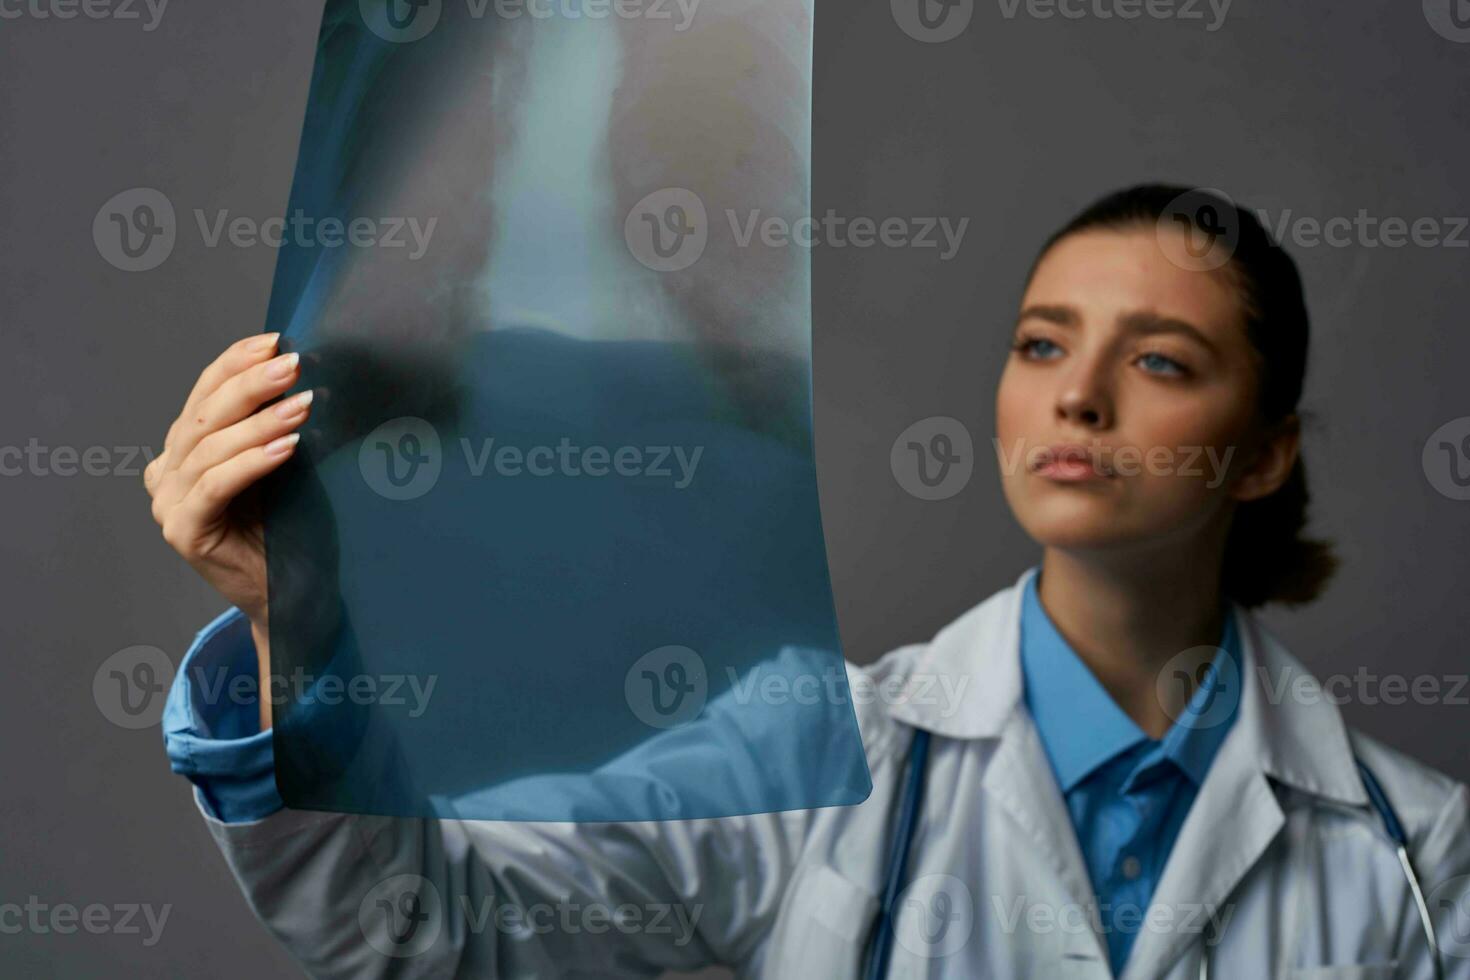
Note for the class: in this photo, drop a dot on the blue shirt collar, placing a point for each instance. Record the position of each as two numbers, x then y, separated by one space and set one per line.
1081 726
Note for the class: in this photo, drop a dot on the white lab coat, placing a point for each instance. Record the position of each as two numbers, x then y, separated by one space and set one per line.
1280 850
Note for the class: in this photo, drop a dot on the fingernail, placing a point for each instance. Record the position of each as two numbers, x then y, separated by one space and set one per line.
283 445
295 405
264 343
282 366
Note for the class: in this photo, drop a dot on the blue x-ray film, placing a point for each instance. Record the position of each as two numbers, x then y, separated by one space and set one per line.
550 548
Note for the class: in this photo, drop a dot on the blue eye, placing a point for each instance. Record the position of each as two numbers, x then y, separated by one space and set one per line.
1159 364
1037 347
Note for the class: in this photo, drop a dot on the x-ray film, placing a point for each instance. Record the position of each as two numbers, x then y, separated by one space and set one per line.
550 548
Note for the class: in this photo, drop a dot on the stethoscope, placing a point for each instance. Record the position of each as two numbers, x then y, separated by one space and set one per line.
880 941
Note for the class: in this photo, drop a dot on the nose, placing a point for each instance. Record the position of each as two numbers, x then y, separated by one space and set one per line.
1085 398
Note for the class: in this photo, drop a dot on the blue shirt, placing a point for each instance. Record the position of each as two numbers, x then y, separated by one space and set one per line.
1127 794
211 734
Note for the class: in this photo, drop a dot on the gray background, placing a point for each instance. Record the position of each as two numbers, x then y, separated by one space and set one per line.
1321 109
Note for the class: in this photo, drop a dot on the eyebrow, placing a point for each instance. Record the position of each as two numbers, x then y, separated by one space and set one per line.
1138 322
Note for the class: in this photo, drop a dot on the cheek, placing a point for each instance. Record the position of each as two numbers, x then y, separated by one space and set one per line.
1193 449
1164 419
1013 400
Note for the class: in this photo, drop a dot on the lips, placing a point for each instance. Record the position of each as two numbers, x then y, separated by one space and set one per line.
1071 460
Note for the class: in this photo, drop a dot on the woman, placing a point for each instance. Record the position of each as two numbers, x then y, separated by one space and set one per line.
1120 788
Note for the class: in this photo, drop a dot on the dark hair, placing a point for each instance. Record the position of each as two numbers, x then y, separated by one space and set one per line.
1267 556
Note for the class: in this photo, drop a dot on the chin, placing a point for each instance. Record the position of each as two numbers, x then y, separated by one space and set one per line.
1076 535
1073 522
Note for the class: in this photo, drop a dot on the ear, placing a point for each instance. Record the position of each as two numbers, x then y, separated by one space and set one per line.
1273 462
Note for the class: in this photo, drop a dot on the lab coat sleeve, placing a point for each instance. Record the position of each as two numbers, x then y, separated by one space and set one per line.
525 899
512 899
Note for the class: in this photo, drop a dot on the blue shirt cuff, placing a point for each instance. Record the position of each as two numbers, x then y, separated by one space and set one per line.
211 724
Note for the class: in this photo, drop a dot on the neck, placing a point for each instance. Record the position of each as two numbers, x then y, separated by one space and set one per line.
1128 618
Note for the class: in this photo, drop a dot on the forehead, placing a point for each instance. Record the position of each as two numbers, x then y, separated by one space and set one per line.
1108 273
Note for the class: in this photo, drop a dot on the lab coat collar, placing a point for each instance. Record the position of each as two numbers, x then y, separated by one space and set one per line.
1287 732
1288 728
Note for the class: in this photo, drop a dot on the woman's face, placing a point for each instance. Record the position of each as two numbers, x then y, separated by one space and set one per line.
1144 369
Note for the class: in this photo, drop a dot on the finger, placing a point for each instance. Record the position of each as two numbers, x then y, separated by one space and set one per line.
167 480
153 473
235 398
254 430
237 357
188 525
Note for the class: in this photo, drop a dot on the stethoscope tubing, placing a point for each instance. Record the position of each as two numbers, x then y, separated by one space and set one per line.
880 942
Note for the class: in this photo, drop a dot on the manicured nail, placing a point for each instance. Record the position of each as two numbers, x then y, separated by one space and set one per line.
264 343
283 445
282 366
295 405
